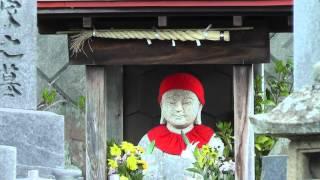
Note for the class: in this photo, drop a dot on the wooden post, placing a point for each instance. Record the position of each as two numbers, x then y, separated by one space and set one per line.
243 107
115 102
96 123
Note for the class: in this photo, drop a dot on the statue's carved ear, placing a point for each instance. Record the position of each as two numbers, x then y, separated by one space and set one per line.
162 120
198 118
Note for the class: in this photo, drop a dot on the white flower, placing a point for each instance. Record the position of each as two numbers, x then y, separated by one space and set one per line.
227 166
188 152
216 143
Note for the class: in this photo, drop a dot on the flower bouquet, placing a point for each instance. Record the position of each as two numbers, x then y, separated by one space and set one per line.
208 162
210 166
124 161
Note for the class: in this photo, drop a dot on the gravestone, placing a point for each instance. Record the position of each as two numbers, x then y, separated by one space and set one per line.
38 136
8 156
274 167
18 30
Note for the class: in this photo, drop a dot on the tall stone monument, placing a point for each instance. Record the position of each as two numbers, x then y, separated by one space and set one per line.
306 40
38 136
18 27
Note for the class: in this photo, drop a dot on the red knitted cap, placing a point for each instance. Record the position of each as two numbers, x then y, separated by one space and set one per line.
184 81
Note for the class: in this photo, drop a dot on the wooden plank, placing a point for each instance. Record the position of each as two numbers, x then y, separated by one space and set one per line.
115 102
96 119
246 47
243 107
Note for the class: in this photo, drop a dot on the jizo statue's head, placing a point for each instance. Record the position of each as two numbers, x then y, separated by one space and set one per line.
181 98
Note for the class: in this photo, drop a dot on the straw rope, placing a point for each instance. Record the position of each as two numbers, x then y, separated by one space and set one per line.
165 34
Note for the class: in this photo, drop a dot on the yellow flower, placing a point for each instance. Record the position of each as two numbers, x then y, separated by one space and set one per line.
123 178
140 149
205 149
112 163
132 163
128 147
115 151
144 164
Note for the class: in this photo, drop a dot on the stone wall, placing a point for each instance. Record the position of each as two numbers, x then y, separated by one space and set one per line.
69 82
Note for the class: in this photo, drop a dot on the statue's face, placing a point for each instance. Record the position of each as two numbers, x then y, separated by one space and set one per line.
180 108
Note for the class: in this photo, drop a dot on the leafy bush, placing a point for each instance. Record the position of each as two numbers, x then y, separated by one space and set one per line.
279 86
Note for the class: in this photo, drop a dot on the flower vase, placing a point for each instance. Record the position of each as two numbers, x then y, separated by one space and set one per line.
114 177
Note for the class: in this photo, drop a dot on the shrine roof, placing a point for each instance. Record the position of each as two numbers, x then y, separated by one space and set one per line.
53 4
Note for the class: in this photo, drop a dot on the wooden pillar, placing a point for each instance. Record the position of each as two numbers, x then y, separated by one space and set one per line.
96 123
115 102
243 107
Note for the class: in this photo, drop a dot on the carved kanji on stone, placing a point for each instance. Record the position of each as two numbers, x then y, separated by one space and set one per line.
9 44
8 83
9 10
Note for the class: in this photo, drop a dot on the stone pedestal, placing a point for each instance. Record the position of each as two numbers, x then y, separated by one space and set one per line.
8 156
38 136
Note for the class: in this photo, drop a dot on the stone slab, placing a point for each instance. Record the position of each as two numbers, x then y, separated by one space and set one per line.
72 82
18 29
51 60
38 136
8 160
274 167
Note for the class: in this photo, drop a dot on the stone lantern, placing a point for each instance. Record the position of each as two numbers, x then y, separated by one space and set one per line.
298 118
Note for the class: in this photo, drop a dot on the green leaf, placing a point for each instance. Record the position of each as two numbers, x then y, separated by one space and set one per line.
150 147
268 102
194 170
185 138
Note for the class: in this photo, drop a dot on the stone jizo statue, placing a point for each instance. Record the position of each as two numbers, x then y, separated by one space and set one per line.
181 98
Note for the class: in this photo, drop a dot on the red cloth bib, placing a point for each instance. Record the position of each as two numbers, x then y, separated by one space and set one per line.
173 143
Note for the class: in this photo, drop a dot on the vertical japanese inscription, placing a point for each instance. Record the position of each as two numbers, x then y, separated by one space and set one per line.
9 44
8 84
18 54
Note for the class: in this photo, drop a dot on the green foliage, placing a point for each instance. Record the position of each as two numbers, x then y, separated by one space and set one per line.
278 87
207 160
82 103
225 133
49 96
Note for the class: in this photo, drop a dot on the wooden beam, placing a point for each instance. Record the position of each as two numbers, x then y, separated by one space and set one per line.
243 107
115 102
237 20
246 47
96 119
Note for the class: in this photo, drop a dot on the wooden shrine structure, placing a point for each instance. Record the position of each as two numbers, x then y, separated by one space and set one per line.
123 75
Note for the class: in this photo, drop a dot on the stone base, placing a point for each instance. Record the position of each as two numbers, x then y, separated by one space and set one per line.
274 167
44 172
37 135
